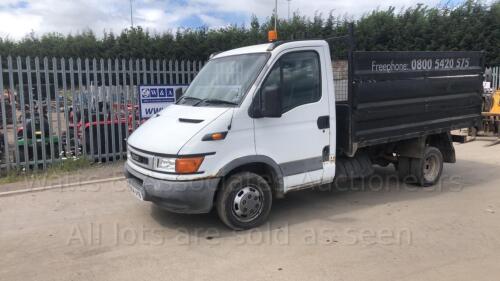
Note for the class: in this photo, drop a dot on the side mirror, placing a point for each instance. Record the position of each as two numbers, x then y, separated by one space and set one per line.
178 93
267 103
270 101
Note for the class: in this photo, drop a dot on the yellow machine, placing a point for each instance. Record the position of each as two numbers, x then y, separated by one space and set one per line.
491 118
495 108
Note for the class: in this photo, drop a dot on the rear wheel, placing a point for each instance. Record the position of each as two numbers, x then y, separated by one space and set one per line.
244 201
424 171
427 170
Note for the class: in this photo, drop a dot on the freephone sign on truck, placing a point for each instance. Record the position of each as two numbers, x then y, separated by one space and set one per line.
153 99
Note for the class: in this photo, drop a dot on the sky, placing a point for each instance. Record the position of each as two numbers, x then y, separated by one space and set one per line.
20 17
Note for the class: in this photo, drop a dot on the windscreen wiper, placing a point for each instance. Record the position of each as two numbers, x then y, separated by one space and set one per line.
215 101
189 98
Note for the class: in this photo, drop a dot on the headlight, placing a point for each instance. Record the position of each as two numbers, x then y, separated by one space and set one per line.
187 165
164 164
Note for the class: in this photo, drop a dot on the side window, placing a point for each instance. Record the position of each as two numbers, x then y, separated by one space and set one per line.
300 79
273 80
297 75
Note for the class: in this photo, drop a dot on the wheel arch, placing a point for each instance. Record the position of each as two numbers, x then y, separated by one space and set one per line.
414 148
259 164
444 143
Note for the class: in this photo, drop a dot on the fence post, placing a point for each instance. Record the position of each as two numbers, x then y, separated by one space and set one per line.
32 113
22 103
80 106
49 107
97 96
496 77
105 107
138 77
183 72
73 104
164 71
170 72
67 150
129 92
58 102
118 111
90 100
4 118
177 80
13 109
193 70
125 96
41 116
111 110
188 71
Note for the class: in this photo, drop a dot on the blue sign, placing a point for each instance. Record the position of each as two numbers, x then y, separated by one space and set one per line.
153 99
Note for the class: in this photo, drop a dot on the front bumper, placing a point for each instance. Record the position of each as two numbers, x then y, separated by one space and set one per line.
191 197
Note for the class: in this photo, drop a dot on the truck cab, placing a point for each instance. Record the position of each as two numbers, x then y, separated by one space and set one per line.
256 123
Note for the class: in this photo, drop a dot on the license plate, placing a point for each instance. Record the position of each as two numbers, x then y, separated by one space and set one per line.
137 191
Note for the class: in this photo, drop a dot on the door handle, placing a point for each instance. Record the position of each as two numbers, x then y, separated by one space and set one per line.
323 122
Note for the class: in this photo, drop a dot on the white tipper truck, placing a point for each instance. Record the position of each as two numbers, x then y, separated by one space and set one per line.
260 121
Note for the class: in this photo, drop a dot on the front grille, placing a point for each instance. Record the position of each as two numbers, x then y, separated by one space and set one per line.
139 159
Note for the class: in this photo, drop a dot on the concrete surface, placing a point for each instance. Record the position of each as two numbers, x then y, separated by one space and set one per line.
97 171
387 231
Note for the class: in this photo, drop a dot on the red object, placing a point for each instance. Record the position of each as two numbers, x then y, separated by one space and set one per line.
117 120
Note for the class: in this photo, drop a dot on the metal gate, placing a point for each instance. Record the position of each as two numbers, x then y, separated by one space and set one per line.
495 81
51 109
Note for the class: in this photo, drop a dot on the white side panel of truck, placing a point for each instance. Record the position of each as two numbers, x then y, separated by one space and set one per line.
299 72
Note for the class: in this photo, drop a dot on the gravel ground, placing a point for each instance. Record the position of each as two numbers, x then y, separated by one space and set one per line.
376 229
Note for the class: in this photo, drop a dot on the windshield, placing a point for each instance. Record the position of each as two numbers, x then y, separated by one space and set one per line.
224 81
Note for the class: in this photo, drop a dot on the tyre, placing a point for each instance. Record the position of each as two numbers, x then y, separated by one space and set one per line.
403 168
244 201
427 170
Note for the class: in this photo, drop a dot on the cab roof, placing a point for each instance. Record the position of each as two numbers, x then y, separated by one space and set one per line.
267 47
261 48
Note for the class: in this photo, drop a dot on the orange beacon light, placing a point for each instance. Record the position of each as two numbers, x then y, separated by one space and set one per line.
272 35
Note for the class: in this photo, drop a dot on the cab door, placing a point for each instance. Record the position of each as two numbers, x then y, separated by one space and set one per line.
299 138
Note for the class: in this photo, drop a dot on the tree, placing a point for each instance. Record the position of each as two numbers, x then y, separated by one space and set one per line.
471 25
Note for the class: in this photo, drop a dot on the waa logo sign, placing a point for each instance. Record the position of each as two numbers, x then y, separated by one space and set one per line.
152 99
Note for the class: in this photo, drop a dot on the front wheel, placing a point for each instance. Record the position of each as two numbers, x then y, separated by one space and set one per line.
244 201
